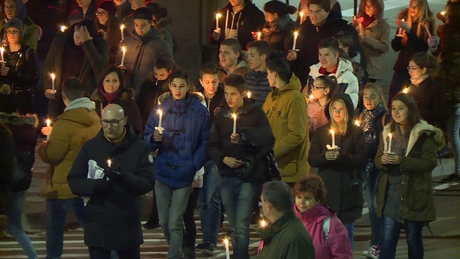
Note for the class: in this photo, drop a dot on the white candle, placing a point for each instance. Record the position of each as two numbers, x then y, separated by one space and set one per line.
53 88
122 27
1 52
234 123
227 249
259 34
249 95
333 138
361 29
48 125
218 15
400 31
296 34
390 137
160 112
427 30
123 49
301 17
109 163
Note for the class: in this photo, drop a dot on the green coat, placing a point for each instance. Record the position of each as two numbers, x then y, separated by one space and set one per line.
286 109
286 238
417 199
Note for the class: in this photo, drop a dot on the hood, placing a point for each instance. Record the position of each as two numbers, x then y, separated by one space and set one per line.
317 213
346 98
125 94
81 115
19 120
21 12
294 84
344 66
83 102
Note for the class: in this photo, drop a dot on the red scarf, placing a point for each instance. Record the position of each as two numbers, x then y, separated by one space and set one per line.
367 20
109 97
323 71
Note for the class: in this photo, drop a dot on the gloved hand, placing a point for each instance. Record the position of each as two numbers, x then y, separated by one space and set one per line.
102 186
113 175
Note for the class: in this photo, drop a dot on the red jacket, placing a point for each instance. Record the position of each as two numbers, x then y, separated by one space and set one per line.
338 244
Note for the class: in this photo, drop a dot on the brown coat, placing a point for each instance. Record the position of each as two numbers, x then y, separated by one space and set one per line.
375 44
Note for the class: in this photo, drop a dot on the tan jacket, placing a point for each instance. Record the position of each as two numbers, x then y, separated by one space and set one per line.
375 44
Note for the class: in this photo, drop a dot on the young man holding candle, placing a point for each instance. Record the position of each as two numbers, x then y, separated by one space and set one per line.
71 130
104 171
239 147
256 81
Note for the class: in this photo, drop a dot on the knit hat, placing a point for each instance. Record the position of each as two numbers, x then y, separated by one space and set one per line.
108 6
142 13
15 23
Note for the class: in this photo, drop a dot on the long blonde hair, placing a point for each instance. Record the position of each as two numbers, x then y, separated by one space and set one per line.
424 16
341 129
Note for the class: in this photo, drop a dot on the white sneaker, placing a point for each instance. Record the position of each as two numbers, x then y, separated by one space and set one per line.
373 252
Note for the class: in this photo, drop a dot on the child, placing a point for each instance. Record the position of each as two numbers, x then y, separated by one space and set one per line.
230 59
154 86
324 87
256 80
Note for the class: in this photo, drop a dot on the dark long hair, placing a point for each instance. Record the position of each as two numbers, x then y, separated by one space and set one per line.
109 69
413 117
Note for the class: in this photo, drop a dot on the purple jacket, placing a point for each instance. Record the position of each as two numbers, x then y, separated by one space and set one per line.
338 244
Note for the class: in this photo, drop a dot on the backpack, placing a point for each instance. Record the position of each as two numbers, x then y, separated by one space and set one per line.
22 171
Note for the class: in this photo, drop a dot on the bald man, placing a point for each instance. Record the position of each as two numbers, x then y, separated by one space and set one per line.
114 169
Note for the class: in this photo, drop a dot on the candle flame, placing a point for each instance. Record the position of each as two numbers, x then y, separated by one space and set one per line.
53 76
123 49
258 35
109 162
63 28
443 13
263 223
122 27
226 241
249 94
402 20
234 116
160 112
390 135
357 123
296 33
2 49
311 97
332 131
406 90
218 15
48 122
301 14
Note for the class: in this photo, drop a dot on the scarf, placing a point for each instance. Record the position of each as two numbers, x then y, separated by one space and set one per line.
109 97
417 81
323 70
399 142
82 102
367 20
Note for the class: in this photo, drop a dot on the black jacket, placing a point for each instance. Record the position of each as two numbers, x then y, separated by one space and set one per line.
216 102
148 96
279 35
343 176
113 218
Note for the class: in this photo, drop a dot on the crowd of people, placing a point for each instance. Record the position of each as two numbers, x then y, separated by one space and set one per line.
284 97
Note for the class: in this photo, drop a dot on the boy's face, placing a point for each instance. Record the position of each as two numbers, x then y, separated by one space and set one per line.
317 14
210 83
141 26
233 97
227 56
161 74
255 60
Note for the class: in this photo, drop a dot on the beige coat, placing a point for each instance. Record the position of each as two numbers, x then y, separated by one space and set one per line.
375 44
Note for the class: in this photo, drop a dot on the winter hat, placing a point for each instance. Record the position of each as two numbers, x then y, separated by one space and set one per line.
15 23
142 13
108 6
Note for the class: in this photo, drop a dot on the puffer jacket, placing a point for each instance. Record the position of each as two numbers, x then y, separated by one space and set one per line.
182 151
141 54
286 110
337 244
279 35
316 116
417 199
347 81
71 130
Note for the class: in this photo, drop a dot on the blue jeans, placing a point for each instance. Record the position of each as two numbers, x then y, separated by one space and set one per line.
391 229
209 203
453 129
369 191
171 207
14 224
351 232
238 198
56 211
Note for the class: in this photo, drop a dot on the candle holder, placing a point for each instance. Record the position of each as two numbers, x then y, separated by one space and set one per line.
160 129
330 148
389 152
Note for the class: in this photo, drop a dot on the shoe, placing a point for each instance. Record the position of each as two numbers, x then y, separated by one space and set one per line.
373 252
451 178
150 224
206 248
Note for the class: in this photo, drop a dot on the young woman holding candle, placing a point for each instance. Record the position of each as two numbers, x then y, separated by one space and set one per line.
405 192
107 22
341 168
414 38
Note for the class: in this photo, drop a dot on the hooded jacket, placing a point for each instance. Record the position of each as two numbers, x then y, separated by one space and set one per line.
417 199
71 130
182 150
77 14
286 110
248 20
337 244
343 176
347 81
141 54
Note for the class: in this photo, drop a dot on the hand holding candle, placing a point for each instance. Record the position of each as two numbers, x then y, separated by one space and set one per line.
123 49
218 15
227 249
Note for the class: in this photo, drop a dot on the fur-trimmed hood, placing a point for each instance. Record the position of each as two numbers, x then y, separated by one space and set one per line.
123 95
19 120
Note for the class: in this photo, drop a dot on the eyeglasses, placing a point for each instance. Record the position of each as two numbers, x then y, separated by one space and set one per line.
113 123
412 68
101 13
12 32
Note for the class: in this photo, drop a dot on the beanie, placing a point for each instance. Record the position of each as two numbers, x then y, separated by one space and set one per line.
108 6
15 23
142 13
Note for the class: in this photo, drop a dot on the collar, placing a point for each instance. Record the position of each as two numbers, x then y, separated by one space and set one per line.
118 141
323 70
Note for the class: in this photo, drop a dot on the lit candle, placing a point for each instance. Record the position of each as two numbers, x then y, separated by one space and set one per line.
218 15
249 95
160 112
1 52
63 28
48 126
333 138
123 49
390 137
443 13
122 27
263 223
301 14
109 163
400 31
405 90
259 34
311 97
234 123
357 123
53 78
427 30
361 29
227 249
296 34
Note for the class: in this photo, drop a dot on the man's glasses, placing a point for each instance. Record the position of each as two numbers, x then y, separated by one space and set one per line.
113 123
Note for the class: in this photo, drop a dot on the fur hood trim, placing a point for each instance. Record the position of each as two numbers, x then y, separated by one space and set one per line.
19 120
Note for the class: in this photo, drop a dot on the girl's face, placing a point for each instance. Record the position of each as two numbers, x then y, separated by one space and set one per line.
111 83
399 112
102 16
328 58
339 112
305 201
414 9
370 99
415 71
13 36
369 8
270 17
178 88
161 74
319 90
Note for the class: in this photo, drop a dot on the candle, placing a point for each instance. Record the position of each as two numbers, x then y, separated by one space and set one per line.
53 88
227 250
218 15
1 52
160 112
234 123
311 97
296 34
405 90
48 125
63 28
333 138
427 30
123 49
301 17
109 163
249 95
400 31
361 29
443 13
263 223
259 34
357 123
390 137
122 27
